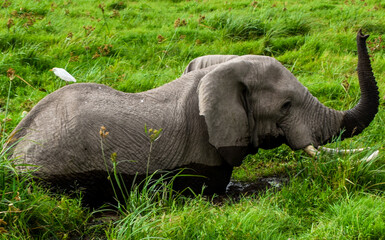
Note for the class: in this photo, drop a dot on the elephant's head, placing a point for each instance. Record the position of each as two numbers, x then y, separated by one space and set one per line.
253 102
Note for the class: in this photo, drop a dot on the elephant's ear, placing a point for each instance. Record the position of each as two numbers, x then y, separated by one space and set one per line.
221 102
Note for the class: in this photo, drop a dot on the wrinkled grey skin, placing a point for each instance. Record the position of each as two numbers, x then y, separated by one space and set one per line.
221 109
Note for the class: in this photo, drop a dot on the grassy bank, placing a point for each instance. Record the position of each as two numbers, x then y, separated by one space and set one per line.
136 46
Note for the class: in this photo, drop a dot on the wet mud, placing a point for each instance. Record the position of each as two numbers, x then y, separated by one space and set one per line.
234 191
237 188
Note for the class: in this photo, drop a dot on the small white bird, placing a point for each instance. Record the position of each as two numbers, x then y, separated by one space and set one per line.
63 74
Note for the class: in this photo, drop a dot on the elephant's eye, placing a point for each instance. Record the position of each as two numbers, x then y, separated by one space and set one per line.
286 107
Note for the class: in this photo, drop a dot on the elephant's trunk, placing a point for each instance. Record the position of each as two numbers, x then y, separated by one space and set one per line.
358 118
355 120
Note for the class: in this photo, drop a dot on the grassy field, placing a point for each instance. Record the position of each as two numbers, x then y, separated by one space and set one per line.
134 46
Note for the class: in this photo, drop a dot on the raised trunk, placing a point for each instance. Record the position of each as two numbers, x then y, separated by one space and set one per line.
355 120
358 118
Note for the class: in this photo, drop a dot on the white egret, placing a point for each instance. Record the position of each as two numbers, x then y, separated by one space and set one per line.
63 74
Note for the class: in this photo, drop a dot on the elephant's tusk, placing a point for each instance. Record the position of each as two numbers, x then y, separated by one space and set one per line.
346 151
311 151
343 151
372 156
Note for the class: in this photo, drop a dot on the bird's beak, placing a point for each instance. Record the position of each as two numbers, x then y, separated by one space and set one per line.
50 70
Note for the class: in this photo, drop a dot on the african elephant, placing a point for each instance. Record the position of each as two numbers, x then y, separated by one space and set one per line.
211 117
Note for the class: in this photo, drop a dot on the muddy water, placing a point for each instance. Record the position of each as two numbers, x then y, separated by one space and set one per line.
234 190
237 188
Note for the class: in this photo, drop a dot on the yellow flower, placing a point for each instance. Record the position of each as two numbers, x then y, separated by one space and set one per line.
103 132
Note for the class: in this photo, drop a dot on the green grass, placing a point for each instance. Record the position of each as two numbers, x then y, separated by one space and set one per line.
28 209
136 46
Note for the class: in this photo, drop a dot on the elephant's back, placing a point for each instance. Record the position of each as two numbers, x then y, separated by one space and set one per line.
62 132
60 127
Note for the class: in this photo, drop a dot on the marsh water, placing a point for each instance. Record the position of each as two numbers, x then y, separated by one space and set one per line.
237 188
234 191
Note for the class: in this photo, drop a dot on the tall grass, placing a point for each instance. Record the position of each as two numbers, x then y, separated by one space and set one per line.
28 209
319 202
144 203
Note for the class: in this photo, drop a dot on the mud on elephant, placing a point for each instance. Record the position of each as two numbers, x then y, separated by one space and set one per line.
221 109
